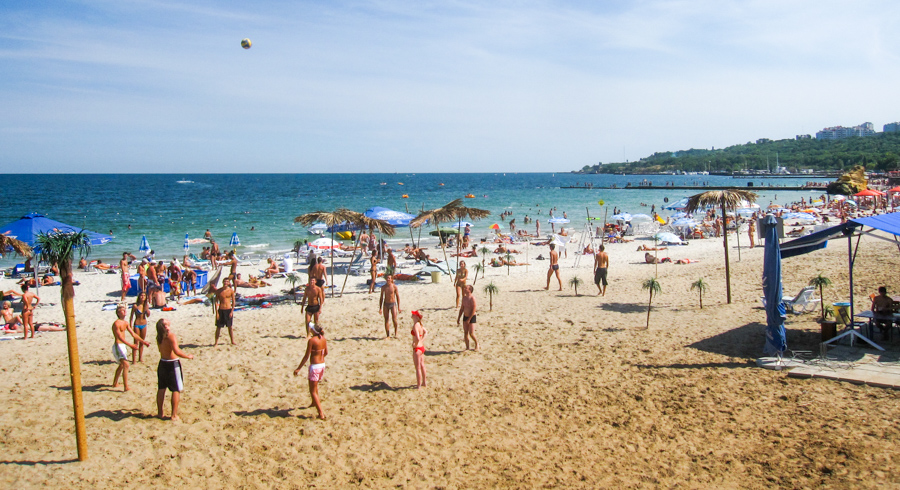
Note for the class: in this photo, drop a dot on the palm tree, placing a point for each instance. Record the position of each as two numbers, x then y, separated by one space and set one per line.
491 289
575 282
508 257
477 268
293 279
484 251
701 286
343 216
820 282
725 199
654 288
59 249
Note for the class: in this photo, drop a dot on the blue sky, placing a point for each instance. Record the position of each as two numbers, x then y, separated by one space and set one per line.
389 86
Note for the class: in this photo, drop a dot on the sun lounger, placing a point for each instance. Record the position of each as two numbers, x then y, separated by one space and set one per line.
801 303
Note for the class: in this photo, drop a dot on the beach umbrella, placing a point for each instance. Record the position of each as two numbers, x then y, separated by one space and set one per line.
462 212
621 217
894 189
317 229
495 226
463 224
27 228
799 216
235 241
679 214
641 217
187 244
145 245
776 342
394 218
667 236
869 193
444 214
324 243
684 222
725 199
677 205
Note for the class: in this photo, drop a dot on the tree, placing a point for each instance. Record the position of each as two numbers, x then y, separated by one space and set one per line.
652 285
59 249
477 268
484 251
701 286
821 282
509 257
724 199
293 279
491 289
575 282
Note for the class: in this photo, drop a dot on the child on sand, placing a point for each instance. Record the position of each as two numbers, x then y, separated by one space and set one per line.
168 372
316 350
120 353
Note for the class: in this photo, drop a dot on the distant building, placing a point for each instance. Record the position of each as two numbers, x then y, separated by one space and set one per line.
762 140
892 127
840 132
802 137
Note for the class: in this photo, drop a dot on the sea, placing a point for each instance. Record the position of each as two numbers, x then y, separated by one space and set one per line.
261 208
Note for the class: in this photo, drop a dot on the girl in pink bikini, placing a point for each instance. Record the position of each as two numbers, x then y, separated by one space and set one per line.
418 343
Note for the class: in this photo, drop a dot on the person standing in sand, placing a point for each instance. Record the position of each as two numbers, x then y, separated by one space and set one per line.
601 265
467 312
460 282
373 272
313 298
316 350
418 344
124 265
140 311
751 231
168 372
120 354
389 304
225 310
554 267
29 301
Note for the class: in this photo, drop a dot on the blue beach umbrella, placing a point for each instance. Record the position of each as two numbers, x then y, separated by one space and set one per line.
187 245
235 241
679 214
677 205
145 245
28 227
771 282
461 224
799 216
684 222
557 221
621 217
393 218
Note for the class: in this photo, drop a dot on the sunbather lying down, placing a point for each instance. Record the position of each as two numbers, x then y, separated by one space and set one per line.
501 261
644 248
650 259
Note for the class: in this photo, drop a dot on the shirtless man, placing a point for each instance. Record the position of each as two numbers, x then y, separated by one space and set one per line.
225 310
208 234
119 328
168 372
373 272
389 304
883 307
28 310
467 312
391 260
232 262
317 272
554 267
313 298
601 265
240 283
124 265
190 281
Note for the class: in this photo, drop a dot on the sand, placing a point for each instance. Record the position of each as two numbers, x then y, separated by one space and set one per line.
567 390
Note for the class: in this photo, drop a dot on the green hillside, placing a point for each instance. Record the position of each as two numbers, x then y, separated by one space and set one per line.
879 152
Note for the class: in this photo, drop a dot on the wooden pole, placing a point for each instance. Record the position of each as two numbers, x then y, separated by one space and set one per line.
727 268
67 292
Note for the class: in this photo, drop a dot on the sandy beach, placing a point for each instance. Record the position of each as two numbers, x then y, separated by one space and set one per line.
566 391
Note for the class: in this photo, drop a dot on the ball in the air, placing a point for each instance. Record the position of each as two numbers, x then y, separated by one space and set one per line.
245 43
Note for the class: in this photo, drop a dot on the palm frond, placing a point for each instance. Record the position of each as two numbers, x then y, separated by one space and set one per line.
59 248
653 285
17 246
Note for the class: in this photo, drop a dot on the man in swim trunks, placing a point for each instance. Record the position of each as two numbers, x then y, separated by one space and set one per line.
168 372
601 265
554 267
124 265
318 273
462 274
467 312
313 298
225 310
119 349
389 304
190 281
316 350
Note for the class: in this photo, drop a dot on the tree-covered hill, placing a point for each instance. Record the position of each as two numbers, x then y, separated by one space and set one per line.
879 152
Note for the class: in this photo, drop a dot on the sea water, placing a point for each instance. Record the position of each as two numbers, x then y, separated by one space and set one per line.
261 208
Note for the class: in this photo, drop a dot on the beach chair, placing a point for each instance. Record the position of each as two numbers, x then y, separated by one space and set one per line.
196 262
803 302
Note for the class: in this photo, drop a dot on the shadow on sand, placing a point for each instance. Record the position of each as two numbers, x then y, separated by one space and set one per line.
747 341
89 388
35 463
269 412
442 352
117 415
379 386
623 307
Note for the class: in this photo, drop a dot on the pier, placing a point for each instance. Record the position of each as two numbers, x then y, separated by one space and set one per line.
702 187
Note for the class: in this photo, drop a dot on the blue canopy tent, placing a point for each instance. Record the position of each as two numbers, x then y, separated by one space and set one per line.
393 218
889 223
776 342
235 241
28 227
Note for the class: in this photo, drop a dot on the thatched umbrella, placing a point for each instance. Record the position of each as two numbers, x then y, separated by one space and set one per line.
464 212
724 199
17 246
443 214
330 218
364 222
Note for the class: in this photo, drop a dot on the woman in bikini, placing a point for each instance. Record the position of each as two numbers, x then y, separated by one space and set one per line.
461 275
140 311
418 344
316 350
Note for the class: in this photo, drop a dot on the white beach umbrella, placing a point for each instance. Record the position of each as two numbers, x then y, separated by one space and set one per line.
324 243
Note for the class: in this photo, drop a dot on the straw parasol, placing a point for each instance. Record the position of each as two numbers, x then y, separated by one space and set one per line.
17 246
463 212
724 199
443 214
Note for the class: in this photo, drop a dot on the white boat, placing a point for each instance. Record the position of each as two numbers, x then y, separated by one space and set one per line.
182 181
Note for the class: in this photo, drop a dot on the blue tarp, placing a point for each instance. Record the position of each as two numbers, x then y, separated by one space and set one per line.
28 227
771 281
889 223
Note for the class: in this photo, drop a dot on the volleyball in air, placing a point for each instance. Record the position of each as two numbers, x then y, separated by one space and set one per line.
245 43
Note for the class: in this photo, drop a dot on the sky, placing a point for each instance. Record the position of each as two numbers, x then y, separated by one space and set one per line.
156 86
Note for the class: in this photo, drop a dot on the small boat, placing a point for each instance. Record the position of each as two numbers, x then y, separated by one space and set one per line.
405 196
383 183
441 184
183 181
399 183
470 196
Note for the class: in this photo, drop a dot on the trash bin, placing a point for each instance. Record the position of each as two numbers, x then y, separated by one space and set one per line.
842 312
829 330
435 276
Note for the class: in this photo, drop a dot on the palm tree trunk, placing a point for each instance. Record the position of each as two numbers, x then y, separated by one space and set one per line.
822 302
491 296
727 267
701 300
649 304
352 258
67 292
